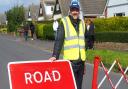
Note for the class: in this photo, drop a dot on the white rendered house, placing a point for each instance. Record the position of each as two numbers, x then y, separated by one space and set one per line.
117 8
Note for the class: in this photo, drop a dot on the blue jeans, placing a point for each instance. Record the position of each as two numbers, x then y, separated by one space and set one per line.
26 36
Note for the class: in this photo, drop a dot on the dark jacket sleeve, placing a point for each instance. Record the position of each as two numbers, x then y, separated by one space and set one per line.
59 41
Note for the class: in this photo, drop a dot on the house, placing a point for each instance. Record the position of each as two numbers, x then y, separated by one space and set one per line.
41 12
117 8
31 12
41 15
29 18
89 8
2 18
48 8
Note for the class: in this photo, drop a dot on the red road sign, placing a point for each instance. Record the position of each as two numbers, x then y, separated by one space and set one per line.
41 75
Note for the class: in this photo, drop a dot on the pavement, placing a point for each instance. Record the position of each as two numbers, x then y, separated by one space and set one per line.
48 45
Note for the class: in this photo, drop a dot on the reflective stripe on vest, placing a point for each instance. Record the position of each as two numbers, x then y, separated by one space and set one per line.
73 44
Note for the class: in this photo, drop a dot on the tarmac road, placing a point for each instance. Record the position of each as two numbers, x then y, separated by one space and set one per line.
15 49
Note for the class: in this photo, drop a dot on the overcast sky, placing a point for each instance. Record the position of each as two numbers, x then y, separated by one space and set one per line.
7 4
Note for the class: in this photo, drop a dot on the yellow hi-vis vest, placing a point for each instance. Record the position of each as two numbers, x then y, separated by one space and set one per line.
74 45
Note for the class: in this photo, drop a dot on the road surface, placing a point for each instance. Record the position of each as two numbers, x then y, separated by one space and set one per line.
14 49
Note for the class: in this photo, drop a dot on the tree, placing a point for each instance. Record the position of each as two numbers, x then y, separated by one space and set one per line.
15 17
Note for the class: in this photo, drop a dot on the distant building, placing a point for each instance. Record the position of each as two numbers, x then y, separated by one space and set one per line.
31 12
2 19
29 16
41 15
117 8
41 12
57 11
48 8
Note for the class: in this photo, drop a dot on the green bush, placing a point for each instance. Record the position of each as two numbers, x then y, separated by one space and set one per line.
39 30
111 24
44 30
11 27
111 37
48 32
113 29
3 30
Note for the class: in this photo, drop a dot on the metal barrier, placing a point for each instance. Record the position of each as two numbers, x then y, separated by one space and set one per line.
97 61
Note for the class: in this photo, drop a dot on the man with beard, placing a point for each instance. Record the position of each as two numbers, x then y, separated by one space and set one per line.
71 38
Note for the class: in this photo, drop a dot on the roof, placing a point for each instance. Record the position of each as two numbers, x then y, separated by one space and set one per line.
88 7
34 10
93 6
64 6
48 1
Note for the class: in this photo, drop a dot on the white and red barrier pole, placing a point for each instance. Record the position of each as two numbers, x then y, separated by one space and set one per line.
107 73
95 72
121 78
97 61
122 72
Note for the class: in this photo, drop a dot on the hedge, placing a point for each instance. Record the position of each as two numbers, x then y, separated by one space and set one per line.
111 24
3 30
113 29
121 37
44 30
48 32
39 30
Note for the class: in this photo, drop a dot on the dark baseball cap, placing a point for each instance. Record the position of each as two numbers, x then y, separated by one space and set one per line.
74 4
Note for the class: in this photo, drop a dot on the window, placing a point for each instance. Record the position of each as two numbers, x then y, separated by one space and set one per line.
52 8
119 14
57 7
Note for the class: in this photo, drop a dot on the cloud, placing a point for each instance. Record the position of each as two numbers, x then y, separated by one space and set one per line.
14 2
9 2
30 2
6 4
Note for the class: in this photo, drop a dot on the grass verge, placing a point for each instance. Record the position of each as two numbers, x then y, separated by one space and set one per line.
108 57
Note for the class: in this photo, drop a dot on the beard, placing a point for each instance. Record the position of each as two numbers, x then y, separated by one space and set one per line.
75 16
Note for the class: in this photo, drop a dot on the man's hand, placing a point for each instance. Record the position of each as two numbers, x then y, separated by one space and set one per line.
52 58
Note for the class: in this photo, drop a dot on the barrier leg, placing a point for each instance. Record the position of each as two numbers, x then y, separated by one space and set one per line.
95 72
121 78
108 73
122 72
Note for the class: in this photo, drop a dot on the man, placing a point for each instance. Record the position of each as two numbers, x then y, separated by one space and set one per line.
70 36
26 29
32 28
89 35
